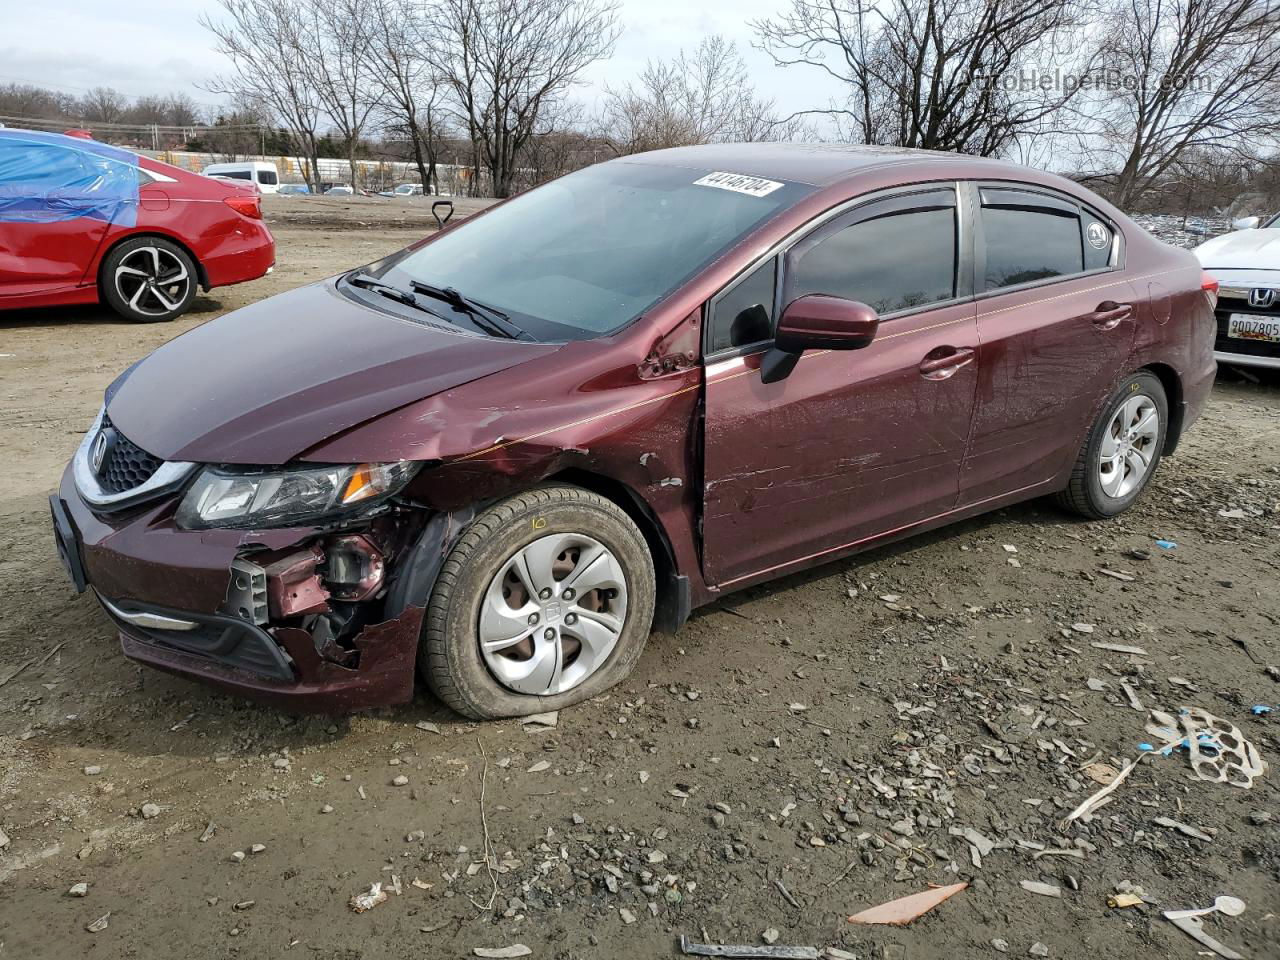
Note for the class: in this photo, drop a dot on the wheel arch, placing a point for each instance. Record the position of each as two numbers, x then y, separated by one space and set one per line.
1172 384
201 275
673 602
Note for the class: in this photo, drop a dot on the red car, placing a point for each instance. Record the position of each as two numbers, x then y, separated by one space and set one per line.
84 222
507 452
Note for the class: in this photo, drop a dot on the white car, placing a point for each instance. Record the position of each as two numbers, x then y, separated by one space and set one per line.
339 190
1246 264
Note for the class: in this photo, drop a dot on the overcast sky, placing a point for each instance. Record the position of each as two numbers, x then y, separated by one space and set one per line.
157 46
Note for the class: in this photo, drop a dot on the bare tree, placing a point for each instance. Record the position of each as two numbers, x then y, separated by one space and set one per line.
104 105
933 74
506 61
335 52
704 98
399 36
266 43
1181 77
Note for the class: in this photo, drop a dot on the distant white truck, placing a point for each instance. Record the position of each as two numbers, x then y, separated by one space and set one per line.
260 172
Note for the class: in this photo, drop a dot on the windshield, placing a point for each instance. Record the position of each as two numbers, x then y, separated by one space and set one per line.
588 253
1273 222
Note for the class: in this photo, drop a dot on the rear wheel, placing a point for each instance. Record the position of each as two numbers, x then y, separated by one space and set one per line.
545 601
148 280
1122 450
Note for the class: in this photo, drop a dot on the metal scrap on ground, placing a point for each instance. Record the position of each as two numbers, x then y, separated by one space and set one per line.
902 911
742 950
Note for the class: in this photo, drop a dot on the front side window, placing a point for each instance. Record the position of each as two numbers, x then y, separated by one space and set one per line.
1025 244
894 262
586 254
744 315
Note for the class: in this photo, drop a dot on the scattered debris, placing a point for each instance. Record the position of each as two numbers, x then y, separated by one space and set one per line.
1219 753
1117 575
539 766
539 722
78 890
1119 648
150 811
1043 889
1187 829
1093 802
1194 928
691 948
1118 901
1167 544
1102 773
427 726
367 901
4 839
502 953
903 910
97 926
208 833
1038 949
1226 905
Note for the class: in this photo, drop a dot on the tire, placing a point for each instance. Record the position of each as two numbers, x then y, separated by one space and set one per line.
129 275
482 574
1098 494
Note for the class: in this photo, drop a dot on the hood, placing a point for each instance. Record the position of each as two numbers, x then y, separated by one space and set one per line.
1242 250
262 384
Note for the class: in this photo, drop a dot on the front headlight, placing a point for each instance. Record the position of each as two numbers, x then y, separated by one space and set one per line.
226 497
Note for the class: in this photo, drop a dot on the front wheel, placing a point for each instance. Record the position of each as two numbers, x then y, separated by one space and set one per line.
148 280
1122 450
545 601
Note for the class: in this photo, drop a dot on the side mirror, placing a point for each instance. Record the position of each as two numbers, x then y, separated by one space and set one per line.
1246 223
817 322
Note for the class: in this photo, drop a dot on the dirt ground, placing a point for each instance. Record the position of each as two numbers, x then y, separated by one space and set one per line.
799 752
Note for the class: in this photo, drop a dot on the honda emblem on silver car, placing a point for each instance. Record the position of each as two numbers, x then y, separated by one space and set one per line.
1262 297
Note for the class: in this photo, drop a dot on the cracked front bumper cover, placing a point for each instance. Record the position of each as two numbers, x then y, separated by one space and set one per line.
148 571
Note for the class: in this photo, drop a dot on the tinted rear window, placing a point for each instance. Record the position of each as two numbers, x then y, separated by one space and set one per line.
1027 245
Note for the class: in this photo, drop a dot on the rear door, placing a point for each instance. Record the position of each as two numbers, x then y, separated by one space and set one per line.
1056 323
853 443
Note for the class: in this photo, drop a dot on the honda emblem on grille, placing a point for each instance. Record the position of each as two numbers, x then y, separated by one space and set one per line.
1262 297
102 445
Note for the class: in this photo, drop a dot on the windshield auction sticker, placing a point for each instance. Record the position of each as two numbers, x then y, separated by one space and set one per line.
738 183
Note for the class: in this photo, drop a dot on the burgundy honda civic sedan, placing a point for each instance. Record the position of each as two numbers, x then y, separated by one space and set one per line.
506 453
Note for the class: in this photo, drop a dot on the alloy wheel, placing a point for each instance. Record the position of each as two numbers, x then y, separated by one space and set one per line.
152 281
1129 446
553 614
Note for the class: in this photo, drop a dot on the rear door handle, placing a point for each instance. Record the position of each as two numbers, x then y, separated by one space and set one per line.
941 367
1108 315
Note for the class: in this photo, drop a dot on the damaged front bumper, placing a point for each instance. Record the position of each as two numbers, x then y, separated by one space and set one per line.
310 619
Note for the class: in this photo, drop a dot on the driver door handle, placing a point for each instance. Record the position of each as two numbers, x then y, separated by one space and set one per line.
941 367
1108 315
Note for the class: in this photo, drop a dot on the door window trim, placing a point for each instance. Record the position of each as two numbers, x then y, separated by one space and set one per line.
852 207
1049 199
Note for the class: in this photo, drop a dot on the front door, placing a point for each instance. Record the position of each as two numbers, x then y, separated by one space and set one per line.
852 444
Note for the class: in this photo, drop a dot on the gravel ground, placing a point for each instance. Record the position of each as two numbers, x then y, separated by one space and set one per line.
926 713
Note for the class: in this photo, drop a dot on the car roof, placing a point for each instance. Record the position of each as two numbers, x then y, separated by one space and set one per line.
82 144
818 164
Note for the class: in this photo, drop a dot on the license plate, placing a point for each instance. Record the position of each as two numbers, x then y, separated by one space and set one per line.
1244 326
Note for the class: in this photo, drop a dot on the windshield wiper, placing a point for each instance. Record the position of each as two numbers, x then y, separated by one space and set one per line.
388 290
488 318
